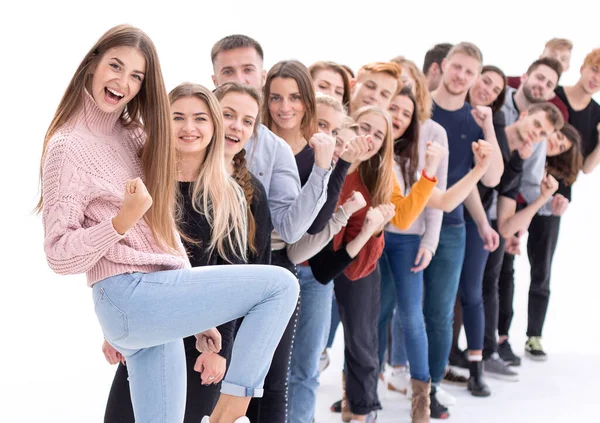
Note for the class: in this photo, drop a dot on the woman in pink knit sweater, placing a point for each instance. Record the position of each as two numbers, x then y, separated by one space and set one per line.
111 132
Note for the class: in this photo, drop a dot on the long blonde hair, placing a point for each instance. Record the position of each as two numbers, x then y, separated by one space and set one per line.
148 110
215 194
377 173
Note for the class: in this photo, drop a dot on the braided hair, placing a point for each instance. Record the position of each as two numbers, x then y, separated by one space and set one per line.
242 176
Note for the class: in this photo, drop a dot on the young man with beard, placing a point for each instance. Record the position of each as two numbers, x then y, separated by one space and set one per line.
293 208
537 86
584 115
531 129
464 125
432 64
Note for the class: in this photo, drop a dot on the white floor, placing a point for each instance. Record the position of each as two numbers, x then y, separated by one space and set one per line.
53 369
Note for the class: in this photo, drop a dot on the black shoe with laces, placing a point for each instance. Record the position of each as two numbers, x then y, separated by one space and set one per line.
438 411
507 355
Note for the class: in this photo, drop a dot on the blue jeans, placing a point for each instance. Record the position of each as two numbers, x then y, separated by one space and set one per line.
401 252
145 316
311 339
441 280
471 287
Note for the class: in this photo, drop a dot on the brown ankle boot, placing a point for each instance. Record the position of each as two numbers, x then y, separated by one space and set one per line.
346 413
420 412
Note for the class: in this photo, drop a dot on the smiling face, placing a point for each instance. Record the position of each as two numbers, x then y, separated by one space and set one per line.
375 125
240 112
242 65
193 126
401 110
459 73
534 127
539 85
486 89
590 79
373 89
562 55
118 78
285 104
557 143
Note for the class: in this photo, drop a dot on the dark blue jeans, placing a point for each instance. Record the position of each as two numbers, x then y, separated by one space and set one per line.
408 337
441 280
471 289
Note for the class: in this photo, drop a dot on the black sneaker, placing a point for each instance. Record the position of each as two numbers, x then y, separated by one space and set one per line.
507 355
454 378
458 359
438 411
534 350
336 407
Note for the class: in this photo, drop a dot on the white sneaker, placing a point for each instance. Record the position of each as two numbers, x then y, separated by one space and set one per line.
323 361
398 380
243 419
444 397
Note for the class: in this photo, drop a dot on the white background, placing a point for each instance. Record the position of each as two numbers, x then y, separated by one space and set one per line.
52 367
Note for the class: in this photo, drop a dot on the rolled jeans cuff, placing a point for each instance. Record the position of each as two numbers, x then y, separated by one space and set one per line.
240 391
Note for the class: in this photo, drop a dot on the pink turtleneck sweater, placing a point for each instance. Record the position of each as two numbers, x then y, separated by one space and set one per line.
86 165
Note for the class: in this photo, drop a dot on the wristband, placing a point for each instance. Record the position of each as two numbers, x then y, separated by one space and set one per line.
427 177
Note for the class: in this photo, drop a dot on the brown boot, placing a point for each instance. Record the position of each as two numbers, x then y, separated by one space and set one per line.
420 412
346 413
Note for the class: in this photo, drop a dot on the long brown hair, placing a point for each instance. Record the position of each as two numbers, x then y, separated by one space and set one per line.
406 148
149 110
299 73
566 166
240 169
377 173
215 194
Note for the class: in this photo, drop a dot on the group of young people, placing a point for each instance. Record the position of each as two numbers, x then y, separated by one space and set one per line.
226 233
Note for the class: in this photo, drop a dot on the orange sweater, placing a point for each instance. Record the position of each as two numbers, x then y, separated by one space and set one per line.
407 210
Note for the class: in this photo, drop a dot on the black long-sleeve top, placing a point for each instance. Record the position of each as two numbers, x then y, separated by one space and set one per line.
513 168
305 161
196 226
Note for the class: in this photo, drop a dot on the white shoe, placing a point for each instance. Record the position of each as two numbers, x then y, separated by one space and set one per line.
323 361
243 419
444 397
398 380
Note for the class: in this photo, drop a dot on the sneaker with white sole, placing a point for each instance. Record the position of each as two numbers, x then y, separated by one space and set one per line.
534 350
324 361
398 380
496 367
444 397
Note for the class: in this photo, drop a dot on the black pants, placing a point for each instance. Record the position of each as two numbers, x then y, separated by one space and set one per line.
358 302
491 277
543 237
541 244
200 399
273 406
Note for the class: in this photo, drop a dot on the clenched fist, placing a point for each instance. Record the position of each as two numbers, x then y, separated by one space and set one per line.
323 146
482 150
434 154
136 203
